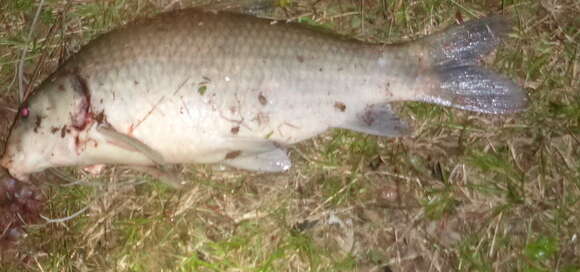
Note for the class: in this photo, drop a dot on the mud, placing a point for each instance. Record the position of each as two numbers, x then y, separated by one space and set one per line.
340 106
263 100
233 154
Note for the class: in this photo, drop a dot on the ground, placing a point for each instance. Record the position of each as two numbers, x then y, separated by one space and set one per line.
465 192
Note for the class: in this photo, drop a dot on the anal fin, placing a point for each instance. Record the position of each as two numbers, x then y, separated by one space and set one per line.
250 145
379 120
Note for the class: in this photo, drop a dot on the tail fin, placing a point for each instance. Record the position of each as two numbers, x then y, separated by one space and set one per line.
461 82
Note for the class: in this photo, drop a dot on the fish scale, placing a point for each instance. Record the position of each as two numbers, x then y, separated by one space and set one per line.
194 86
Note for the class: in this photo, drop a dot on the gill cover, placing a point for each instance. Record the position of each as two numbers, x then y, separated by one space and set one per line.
41 135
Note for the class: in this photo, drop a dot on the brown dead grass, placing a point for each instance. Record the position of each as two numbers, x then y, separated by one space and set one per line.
467 192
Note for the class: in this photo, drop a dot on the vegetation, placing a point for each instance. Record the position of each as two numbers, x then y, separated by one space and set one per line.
467 192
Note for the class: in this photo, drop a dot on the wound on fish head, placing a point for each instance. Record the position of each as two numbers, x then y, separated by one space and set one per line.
43 134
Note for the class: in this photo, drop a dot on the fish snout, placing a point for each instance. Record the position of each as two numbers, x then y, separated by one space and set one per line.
7 162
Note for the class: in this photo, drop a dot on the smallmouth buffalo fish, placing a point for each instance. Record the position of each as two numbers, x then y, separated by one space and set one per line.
194 86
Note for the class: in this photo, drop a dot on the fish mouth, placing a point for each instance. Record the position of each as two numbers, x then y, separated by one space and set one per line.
7 165
5 162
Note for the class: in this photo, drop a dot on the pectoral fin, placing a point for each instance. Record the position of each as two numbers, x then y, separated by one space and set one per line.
161 171
130 143
272 161
378 120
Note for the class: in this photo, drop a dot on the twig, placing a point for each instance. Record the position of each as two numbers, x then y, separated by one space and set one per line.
64 219
21 90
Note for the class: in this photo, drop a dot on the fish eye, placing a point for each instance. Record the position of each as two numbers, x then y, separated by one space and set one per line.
24 112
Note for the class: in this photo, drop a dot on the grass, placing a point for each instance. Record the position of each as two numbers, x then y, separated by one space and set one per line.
467 192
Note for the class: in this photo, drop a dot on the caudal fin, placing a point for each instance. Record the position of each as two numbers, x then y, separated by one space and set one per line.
459 81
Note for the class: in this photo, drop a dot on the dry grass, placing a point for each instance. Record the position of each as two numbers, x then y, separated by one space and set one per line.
467 192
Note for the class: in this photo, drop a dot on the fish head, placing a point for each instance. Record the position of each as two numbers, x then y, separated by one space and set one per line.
43 133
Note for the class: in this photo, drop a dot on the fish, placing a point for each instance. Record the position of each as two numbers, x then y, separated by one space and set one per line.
199 87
